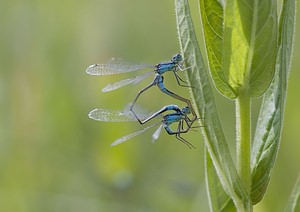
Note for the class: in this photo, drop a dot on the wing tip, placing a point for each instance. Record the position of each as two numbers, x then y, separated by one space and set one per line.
91 113
115 143
91 69
105 89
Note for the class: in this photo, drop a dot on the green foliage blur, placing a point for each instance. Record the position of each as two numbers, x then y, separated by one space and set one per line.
54 158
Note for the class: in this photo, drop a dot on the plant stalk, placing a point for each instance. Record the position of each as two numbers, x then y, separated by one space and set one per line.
243 136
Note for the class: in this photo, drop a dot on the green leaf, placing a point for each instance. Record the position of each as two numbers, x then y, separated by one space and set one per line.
219 200
294 201
249 46
202 95
212 22
270 121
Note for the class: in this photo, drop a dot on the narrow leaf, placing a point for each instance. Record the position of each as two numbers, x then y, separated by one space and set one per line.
202 95
294 201
212 22
250 38
270 121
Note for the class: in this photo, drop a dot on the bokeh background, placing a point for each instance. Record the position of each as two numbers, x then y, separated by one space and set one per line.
54 158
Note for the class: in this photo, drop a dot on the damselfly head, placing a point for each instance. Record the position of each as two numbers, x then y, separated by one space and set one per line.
186 110
177 58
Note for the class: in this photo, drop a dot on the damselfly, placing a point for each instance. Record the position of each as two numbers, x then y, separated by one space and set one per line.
179 116
115 67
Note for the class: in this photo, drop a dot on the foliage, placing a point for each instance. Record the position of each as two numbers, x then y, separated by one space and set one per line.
244 48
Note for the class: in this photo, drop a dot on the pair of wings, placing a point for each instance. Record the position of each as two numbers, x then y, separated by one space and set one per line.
109 115
115 66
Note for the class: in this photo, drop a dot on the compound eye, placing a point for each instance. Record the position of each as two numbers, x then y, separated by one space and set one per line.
186 110
178 57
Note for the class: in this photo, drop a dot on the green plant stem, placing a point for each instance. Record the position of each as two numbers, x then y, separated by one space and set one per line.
243 129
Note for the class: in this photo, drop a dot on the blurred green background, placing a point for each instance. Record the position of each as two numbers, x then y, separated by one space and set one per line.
54 158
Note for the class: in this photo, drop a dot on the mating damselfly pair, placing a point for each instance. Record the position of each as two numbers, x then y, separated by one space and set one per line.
170 114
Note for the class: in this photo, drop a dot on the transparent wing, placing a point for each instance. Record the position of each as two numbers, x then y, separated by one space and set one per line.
127 137
115 66
122 83
156 134
109 115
